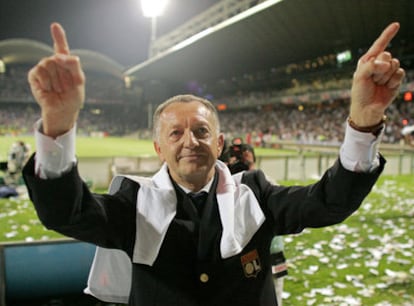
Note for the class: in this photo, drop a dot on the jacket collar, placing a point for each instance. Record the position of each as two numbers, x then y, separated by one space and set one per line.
240 213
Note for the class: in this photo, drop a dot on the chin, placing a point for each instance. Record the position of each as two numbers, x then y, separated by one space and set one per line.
194 170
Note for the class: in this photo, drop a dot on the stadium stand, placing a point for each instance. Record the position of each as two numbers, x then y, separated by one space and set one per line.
108 111
308 78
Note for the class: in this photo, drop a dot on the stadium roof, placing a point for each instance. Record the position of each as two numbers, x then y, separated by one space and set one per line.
27 51
271 34
22 51
275 33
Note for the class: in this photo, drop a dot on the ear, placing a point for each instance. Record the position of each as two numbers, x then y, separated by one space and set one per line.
220 144
157 149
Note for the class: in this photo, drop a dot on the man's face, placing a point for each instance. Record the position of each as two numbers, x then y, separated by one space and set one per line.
189 143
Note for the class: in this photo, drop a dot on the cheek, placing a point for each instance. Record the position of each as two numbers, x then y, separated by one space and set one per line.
216 150
211 144
163 151
160 155
169 151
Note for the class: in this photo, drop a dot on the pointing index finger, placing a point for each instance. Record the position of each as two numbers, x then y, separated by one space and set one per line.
60 43
383 40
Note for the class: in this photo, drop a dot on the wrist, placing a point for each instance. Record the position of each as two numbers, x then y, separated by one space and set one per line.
53 127
374 129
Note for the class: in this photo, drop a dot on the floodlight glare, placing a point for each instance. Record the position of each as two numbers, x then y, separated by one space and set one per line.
2 67
153 8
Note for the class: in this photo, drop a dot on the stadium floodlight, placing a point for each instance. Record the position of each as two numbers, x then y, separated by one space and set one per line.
153 9
2 67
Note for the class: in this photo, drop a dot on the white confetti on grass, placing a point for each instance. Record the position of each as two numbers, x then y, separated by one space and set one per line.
19 221
378 236
11 234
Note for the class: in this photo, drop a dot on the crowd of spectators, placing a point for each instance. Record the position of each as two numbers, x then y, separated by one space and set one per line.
103 89
109 119
18 118
260 117
100 88
14 86
321 123
108 106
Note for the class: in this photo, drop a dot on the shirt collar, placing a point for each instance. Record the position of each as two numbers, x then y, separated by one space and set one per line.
206 187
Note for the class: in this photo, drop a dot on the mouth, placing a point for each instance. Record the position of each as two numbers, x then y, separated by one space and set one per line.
190 157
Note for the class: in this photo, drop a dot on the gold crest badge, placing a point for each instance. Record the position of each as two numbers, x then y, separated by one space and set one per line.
251 263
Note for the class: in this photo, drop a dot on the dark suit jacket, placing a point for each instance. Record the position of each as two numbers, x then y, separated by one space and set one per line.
189 269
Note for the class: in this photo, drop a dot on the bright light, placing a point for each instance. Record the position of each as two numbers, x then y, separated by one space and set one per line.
153 8
2 67
408 96
344 56
127 81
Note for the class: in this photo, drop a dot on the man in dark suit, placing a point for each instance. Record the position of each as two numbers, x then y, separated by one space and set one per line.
183 252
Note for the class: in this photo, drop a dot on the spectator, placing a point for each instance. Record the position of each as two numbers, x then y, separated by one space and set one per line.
18 155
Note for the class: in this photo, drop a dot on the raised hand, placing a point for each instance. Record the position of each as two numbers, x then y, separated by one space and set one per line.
376 82
58 85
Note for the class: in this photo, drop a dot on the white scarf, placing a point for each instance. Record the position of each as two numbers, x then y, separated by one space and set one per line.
240 216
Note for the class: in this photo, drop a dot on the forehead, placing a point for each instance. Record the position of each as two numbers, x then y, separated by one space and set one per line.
184 111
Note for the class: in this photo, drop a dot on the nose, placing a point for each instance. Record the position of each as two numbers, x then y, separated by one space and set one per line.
190 140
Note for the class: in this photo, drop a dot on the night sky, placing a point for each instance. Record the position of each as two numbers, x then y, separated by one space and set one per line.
115 28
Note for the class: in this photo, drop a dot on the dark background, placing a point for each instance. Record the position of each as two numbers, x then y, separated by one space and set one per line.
115 28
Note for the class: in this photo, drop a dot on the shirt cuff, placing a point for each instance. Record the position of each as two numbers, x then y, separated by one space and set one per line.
359 151
54 156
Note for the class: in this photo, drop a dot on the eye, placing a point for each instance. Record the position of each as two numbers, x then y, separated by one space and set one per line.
175 134
202 132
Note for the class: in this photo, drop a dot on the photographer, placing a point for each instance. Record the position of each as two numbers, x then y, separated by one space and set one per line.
239 156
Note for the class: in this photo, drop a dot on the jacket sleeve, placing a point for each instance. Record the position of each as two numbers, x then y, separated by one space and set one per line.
332 199
66 205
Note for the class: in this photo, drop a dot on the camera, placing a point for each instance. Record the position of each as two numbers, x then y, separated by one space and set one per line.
239 157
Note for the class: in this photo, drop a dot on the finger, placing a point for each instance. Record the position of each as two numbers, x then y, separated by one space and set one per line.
382 41
396 79
375 67
380 66
384 56
73 65
370 69
60 43
39 79
65 79
51 67
383 78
